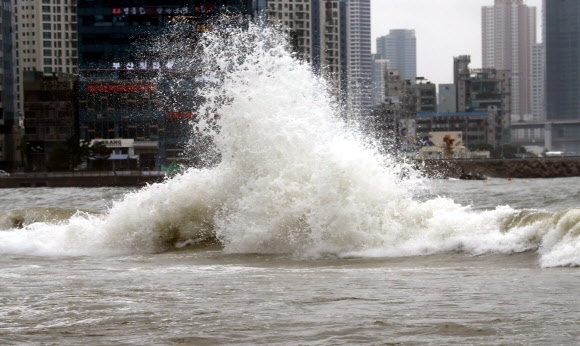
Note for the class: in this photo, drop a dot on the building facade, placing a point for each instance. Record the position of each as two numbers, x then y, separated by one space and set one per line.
486 90
447 98
318 33
537 82
129 90
399 47
508 33
426 96
562 51
380 67
50 122
46 39
9 120
360 57
472 125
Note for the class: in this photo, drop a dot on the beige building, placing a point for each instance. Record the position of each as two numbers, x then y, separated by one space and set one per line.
359 56
314 29
46 39
508 33
335 37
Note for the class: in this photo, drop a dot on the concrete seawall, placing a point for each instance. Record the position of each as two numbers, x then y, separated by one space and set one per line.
82 179
552 167
460 169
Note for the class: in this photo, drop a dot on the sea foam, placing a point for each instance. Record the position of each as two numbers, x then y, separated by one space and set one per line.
296 176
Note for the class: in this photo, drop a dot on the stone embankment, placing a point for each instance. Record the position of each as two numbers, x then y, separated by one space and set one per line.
82 179
549 167
552 167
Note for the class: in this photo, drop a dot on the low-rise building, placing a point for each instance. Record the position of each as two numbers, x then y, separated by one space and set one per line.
487 90
474 126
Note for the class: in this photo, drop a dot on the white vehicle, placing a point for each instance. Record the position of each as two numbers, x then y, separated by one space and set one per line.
4 174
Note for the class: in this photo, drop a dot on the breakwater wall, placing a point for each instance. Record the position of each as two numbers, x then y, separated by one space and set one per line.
82 179
552 167
548 167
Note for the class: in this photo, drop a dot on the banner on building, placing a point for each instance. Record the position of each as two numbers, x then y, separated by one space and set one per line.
120 88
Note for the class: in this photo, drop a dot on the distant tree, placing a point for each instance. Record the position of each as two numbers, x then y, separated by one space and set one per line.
59 159
508 151
77 151
100 151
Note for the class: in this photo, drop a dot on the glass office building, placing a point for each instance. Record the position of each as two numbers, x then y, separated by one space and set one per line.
9 137
562 50
125 82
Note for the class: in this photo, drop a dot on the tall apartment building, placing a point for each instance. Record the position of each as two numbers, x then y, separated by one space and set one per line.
9 129
360 57
400 48
380 67
46 39
561 37
335 37
318 33
508 33
537 82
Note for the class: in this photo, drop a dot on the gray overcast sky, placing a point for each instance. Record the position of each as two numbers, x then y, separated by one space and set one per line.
444 29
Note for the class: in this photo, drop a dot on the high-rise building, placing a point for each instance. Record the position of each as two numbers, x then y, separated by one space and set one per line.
400 48
46 39
318 33
562 59
508 33
537 82
335 37
380 67
9 120
562 88
131 98
360 57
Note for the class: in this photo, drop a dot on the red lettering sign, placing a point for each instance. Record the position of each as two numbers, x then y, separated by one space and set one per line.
180 115
117 10
120 88
189 115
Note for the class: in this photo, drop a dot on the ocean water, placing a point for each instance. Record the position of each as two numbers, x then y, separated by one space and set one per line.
302 233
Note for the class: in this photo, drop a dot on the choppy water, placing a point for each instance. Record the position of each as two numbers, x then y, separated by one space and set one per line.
302 234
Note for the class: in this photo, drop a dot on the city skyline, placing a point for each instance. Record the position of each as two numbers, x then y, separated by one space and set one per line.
443 28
